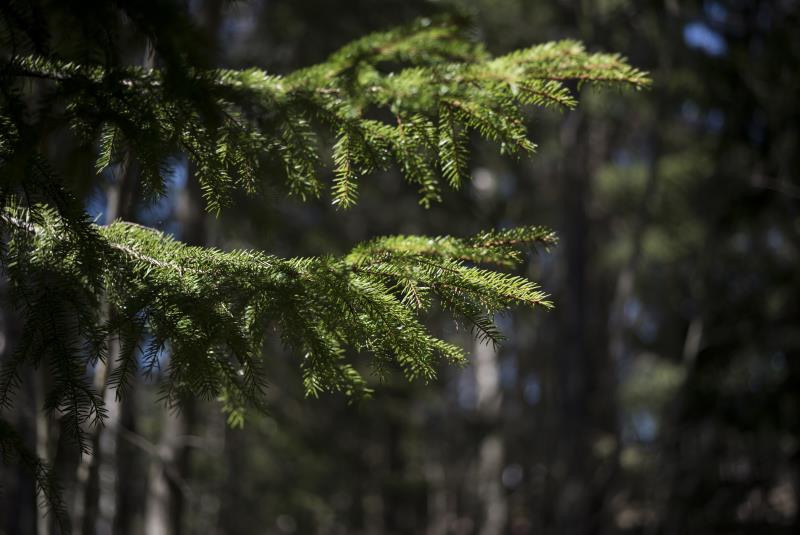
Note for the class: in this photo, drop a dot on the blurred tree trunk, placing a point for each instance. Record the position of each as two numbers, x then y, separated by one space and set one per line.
105 478
230 517
573 364
17 514
434 470
167 492
175 444
95 496
44 439
129 467
98 484
166 496
587 381
20 514
165 488
491 453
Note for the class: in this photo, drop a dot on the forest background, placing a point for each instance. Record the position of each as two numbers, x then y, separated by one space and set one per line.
660 395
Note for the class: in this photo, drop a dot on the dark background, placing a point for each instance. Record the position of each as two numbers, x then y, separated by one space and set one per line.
661 395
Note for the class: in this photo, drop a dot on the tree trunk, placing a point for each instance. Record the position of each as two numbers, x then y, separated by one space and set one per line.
491 454
165 488
167 493
166 496
573 364
95 497
43 441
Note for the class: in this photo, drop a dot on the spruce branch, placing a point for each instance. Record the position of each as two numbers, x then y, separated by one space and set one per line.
211 307
439 84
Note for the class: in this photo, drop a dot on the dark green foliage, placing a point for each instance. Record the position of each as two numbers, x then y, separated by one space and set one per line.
14 451
213 309
246 118
409 96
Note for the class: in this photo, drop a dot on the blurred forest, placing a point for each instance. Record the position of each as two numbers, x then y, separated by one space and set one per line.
661 395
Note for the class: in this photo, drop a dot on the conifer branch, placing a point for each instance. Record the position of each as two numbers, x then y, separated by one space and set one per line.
448 85
413 96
